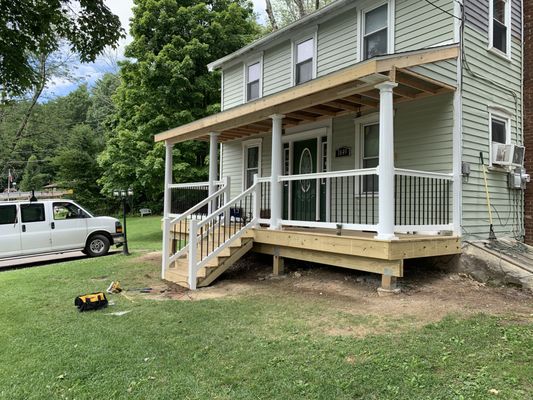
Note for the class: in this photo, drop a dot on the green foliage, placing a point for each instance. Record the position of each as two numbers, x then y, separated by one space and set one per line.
42 27
166 84
288 11
33 177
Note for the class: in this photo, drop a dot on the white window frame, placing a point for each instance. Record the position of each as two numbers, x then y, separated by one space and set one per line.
360 123
502 116
366 7
248 63
508 24
310 34
248 144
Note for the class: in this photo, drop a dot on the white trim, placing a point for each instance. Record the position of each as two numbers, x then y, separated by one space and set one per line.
497 114
457 134
308 134
308 34
360 123
364 8
222 90
247 144
329 225
508 25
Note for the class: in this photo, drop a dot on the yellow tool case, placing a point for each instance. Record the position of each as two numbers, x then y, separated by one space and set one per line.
92 301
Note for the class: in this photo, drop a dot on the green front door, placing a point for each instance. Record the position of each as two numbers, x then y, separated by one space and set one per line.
304 161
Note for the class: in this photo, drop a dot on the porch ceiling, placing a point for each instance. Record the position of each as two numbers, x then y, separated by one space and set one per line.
348 91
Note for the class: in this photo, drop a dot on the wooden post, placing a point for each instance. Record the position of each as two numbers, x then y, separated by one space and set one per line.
193 244
166 208
278 265
388 282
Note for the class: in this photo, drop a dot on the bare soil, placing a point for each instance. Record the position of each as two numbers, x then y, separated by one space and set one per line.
427 294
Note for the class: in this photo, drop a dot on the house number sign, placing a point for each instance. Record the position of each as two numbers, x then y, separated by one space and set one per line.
343 152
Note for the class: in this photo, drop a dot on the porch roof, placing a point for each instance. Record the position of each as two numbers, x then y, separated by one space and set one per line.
350 90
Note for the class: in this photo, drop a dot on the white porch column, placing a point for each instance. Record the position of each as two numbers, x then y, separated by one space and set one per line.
386 161
276 189
166 208
213 166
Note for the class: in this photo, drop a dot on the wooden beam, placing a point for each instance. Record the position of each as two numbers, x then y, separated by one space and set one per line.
390 267
321 90
344 105
401 91
302 115
426 79
357 99
322 111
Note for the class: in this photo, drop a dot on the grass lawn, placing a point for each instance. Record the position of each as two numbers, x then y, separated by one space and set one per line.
249 347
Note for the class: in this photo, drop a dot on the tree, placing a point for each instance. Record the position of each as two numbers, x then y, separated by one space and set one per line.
39 27
167 84
33 177
284 12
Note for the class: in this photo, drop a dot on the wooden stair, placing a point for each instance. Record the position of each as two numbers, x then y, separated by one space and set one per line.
178 272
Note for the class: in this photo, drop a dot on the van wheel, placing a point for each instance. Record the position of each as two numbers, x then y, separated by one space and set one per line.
98 245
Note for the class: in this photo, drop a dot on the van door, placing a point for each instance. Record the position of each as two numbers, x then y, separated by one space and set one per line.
9 231
35 235
69 226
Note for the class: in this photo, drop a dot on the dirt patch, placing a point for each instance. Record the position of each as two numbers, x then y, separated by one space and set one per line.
354 307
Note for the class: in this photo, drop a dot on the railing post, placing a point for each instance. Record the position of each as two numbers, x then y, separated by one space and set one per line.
166 209
276 187
213 168
257 199
193 244
226 199
386 170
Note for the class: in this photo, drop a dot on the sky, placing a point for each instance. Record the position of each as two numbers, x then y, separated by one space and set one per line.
91 72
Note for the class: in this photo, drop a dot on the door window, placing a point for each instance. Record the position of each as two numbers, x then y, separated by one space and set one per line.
33 212
8 215
67 211
306 167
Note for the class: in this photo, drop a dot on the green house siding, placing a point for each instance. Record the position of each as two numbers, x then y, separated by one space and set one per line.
420 25
233 86
277 73
478 96
337 43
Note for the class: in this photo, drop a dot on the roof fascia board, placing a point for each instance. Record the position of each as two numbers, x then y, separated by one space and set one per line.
284 34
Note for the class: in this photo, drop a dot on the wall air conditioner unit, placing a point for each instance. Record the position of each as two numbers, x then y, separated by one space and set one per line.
508 154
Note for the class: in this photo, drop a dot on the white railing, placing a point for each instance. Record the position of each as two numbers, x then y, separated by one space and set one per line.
209 237
183 220
185 195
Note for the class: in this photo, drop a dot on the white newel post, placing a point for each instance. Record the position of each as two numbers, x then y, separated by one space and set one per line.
386 161
213 167
276 189
166 208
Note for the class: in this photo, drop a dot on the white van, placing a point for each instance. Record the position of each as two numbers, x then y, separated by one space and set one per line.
54 226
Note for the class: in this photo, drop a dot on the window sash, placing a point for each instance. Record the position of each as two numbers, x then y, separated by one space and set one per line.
252 90
499 132
252 164
304 71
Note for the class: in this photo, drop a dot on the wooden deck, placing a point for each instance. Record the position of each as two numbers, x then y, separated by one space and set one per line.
354 250
351 249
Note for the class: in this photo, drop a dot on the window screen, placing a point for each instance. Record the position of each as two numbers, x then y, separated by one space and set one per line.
8 215
499 131
304 61
376 32
32 212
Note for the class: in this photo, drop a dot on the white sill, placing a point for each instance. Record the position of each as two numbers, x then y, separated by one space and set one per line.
495 168
499 53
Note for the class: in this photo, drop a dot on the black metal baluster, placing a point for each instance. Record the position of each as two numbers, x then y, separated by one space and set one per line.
359 198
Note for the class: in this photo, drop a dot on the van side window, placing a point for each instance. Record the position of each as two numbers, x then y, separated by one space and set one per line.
8 215
67 211
32 212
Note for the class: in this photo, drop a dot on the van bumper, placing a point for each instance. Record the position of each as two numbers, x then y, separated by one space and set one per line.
118 239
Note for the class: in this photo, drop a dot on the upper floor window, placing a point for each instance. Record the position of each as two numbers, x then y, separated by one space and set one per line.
376 32
500 25
305 53
253 81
